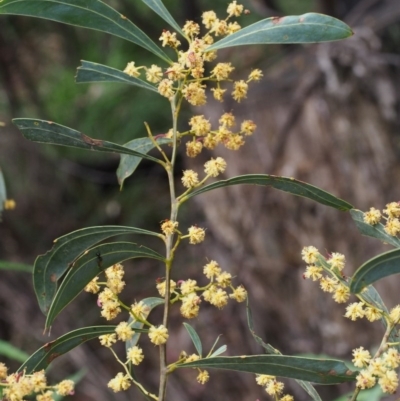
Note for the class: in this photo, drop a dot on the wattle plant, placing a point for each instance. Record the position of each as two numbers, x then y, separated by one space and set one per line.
89 259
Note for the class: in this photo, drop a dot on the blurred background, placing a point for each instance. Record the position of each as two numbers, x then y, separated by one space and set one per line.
327 114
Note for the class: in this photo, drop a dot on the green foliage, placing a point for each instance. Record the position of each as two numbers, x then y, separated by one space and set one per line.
372 297
158 7
327 371
269 349
42 358
56 134
307 28
150 304
195 338
285 184
92 72
9 351
49 268
77 258
16 267
128 163
383 265
92 14
376 231
88 266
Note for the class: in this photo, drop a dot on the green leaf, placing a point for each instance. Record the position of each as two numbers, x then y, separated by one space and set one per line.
307 387
371 295
381 266
376 231
219 351
128 164
306 28
92 14
269 349
89 265
17 267
285 184
42 358
328 371
150 303
3 192
211 353
56 134
9 351
158 7
51 266
93 72
195 338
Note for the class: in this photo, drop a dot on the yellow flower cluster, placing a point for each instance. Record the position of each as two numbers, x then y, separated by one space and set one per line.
186 79
212 168
391 214
158 335
114 282
119 383
196 235
108 298
203 376
9 204
169 227
17 386
204 136
273 387
189 293
379 369
109 303
333 282
111 306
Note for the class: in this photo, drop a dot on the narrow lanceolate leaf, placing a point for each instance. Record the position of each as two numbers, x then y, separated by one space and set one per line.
285 184
371 295
42 358
383 265
92 14
269 349
150 304
376 231
306 28
89 265
9 351
195 338
219 351
50 267
322 371
128 163
93 72
158 7
56 134
15 267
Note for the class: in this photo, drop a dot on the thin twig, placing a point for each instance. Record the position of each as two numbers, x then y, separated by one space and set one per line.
169 246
